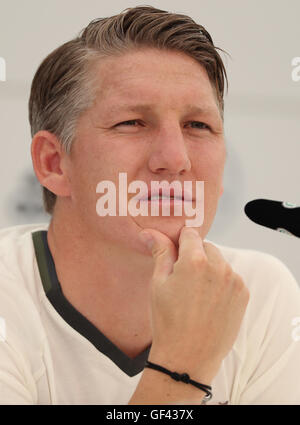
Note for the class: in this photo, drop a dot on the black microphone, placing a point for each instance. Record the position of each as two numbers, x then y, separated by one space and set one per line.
281 216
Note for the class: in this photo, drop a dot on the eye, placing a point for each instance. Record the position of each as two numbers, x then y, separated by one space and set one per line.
128 123
200 125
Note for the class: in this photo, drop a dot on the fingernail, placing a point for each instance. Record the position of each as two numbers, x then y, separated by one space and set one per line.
147 239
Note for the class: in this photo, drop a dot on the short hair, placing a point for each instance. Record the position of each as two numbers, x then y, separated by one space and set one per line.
62 88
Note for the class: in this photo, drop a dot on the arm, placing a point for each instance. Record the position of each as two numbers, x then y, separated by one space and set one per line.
197 305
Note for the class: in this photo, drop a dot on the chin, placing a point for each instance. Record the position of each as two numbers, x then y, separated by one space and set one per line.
170 226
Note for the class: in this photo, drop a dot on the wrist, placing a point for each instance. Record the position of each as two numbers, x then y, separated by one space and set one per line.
203 373
158 388
182 377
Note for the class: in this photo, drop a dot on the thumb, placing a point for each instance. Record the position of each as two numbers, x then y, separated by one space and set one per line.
163 252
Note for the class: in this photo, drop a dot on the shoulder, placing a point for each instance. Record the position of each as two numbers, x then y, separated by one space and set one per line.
274 301
19 300
269 322
14 234
17 255
15 242
261 271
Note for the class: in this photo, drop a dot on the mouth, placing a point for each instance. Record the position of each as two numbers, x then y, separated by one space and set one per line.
169 197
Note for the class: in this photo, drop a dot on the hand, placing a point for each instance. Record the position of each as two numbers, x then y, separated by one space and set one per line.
197 304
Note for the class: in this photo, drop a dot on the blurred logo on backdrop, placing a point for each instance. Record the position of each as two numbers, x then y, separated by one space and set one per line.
24 205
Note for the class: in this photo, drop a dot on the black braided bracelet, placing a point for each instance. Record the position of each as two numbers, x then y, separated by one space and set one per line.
184 377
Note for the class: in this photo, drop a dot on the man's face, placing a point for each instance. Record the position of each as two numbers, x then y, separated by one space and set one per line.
175 133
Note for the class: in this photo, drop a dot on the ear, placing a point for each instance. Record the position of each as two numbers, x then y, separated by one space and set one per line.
50 163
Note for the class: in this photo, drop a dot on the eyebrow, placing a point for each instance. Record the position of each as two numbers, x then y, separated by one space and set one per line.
147 107
131 108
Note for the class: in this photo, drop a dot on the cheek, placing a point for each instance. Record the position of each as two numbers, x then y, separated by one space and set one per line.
210 169
84 176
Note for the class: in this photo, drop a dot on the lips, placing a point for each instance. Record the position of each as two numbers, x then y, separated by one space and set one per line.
162 194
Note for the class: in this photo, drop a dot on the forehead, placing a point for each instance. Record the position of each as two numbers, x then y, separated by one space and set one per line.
152 75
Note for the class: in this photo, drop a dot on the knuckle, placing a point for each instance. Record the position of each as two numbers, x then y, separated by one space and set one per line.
196 261
246 293
241 288
239 285
157 250
212 249
228 273
207 244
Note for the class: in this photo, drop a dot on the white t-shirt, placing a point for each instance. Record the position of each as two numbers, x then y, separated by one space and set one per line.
51 354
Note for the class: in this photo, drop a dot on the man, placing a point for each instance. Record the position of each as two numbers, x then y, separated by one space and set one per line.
88 300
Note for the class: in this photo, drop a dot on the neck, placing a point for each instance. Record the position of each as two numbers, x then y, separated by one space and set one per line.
105 283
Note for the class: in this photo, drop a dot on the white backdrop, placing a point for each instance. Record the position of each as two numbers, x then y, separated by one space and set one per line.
262 108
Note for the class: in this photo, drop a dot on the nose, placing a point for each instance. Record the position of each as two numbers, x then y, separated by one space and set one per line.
169 154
